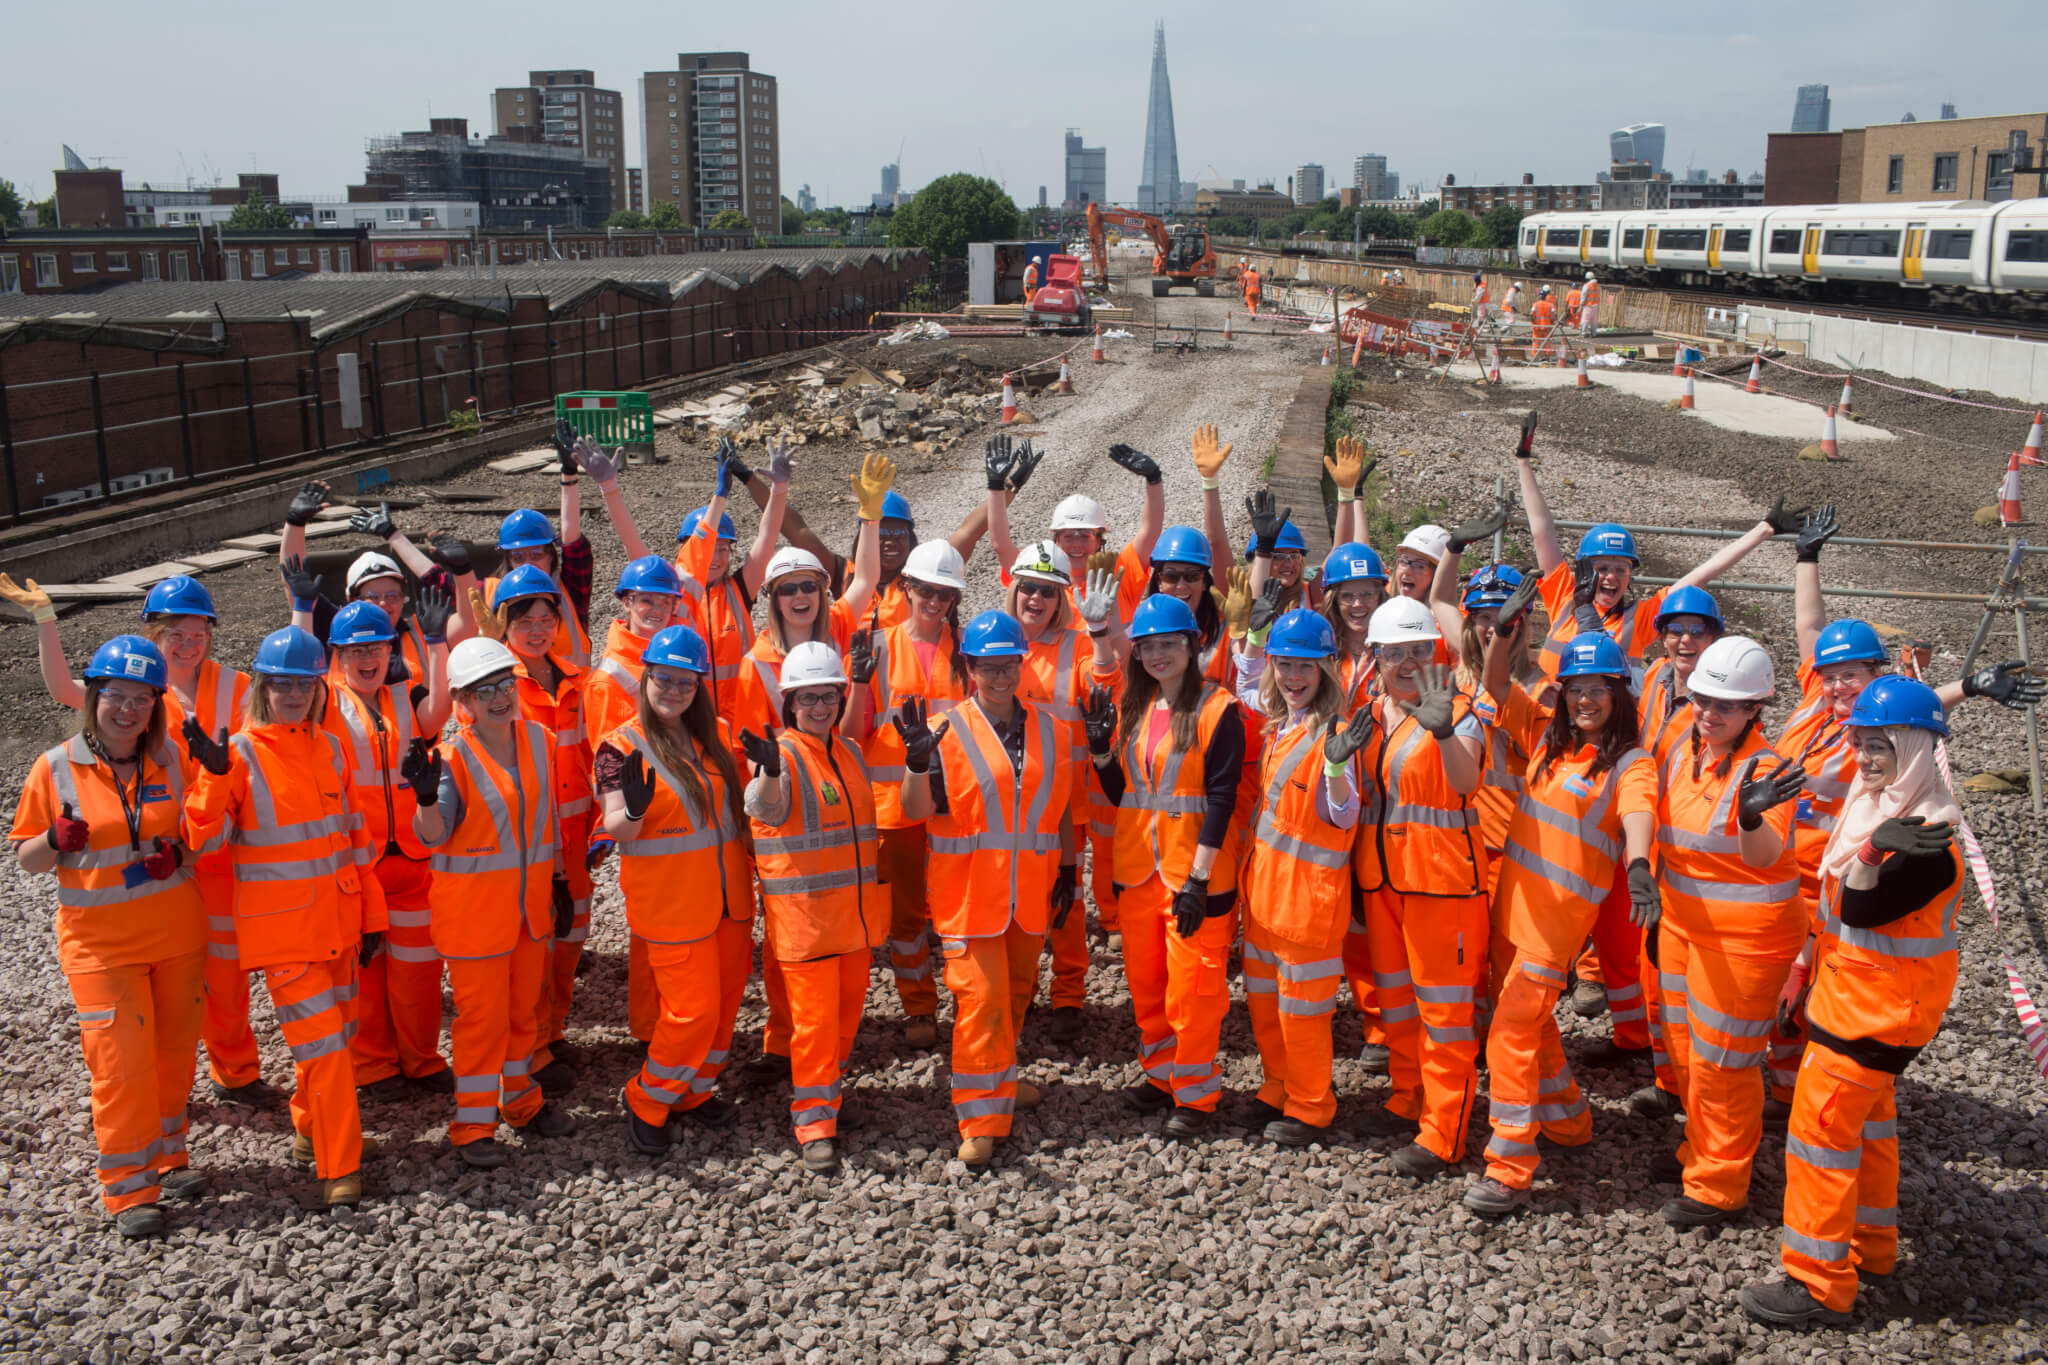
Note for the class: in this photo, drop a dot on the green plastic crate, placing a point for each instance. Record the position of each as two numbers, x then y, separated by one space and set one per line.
611 419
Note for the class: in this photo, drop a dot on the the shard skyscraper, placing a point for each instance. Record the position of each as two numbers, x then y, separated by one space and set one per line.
1159 174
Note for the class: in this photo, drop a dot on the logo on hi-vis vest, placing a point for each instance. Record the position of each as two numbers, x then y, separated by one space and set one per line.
156 791
1577 785
829 793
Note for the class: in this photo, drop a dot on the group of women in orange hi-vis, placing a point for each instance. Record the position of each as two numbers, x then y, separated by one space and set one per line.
1387 781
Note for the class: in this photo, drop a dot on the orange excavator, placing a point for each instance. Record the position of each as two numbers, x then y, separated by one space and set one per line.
1180 253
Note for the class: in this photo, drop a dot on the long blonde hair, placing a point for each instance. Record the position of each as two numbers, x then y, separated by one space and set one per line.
821 628
1327 702
1062 610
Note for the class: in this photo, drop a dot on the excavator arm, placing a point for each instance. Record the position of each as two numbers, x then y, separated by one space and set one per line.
1099 217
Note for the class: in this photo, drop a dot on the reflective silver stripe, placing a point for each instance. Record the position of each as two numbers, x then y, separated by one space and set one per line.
771 683
280 836
81 899
1633 991
1261 985
114 1161
411 919
1007 827
226 950
61 759
402 952
1878 1130
95 1016
1206 1088
142 1180
1398 814
1400 1014
310 1006
1563 879
1867 1217
1728 1023
221 924
1587 828
578 806
1501 1147
1731 1058
823 881
1141 792
319 1047
1443 1035
223 695
1525 1115
979 1109
1254 953
1323 970
1293 1005
816 1092
1549 976
1890 945
1388 981
1445 995
481 1113
1268 830
326 866
626 678
984 1080
888 772
1767 894
1814 1247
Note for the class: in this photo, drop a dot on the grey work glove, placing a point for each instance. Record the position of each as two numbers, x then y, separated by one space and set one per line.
1435 708
1645 899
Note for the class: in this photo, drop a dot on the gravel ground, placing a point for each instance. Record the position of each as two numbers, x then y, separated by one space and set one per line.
1093 1238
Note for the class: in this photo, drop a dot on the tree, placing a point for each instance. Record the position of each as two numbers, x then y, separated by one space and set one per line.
1448 227
10 204
833 220
665 216
951 212
1500 225
730 220
793 219
1384 223
255 213
629 220
46 212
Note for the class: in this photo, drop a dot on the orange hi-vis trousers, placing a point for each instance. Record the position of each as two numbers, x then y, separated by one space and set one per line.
1291 994
1180 992
138 1025
700 984
1069 950
900 862
992 980
558 984
316 1012
1716 1026
1530 1085
1618 948
1429 955
493 1038
1358 972
1101 864
1841 1176
775 1029
231 1057
399 1012
826 998
643 998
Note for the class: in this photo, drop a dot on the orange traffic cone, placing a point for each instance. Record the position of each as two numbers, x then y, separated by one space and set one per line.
1848 394
1685 400
2031 452
1585 380
1563 360
1678 363
1756 374
1009 402
1326 355
2009 493
1098 357
1827 437
1066 379
1226 325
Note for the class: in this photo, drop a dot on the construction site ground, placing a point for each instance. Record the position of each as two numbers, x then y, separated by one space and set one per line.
1094 1237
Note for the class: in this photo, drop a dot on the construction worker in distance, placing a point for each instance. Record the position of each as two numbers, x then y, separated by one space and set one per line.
1030 281
486 806
919 659
104 812
815 851
527 607
1251 290
1573 301
1482 305
1586 808
1589 306
672 797
1542 322
1510 305
1422 871
994 785
179 619
309 909
398 1013
1298 865
1891 883
1179 755
1057 675
1731 926
719 594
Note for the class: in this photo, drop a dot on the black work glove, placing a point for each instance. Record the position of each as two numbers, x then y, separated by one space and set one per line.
764 754
636 784
1266 606
1191 906
1479 528
373 943
432 612
1758 794
919 738
1342 738
565 445
377 523
1585 587
1100 719
163 859
1027 465
1816 531
70 834
1435 708
300 582
2006 683
998 462
306 504
1912 836
565 908
1517 604
860 657
1364 474
1137 461
453 551
1645 899
210 754
1784 520
1065 894
422 772
1267 520
1528 446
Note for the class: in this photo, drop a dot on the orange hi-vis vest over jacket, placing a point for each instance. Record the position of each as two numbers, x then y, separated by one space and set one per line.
761 673
1565 846
996 848
1056 675
719 612
1543 313
377 733
1816 739
668 871
1419 836
561 715
1513 732
1297 865
109 912
1159 820
571 641
900 673
218 693
298 844
1711 896
1890 984
1591 294
1634 626
817 868
611 689
494 872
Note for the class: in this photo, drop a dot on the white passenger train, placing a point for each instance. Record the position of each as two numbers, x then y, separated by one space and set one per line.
1966 254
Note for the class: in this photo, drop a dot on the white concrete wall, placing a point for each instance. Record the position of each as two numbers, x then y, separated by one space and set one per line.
2001 366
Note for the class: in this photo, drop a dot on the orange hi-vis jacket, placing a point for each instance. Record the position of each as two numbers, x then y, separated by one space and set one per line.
760 704
1357 675
1542 314
1572 300
1634 626
1590 297
1056 676
900 673
719 612
298 844
1711 896
377 733
1297 865
1419 836
996 848
561 715
611 689
1660 720
817 868
494 872
1512 733
667 870
218 693
1813 736
1159 820
1890 984
571 642
1565 846
107 915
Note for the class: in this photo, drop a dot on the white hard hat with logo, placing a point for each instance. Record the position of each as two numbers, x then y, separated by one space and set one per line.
789 560
938 563
370 564
478 658
1079 512
1428 540
1043 560
1734 668
812 664
1400 621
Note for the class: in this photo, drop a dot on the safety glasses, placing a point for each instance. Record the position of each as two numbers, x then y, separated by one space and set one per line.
1174 576
807 587
490 691
1403 654
1033 587
816 699
1721 706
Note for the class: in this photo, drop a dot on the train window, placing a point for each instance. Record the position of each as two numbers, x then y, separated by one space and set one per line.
1600 236
1735 239
1784 241
1859 243
1560 237
1947 245
1681 239
1631 239
1529 237
2027 246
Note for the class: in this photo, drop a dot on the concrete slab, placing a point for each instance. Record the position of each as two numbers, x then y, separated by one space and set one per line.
221 559
149 577
1715 403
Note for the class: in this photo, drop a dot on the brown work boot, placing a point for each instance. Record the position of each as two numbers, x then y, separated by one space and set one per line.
977 1152
343 1191
1028 1097
921 1032
302 1148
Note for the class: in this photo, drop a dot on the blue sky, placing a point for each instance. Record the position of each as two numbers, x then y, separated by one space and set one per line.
210 89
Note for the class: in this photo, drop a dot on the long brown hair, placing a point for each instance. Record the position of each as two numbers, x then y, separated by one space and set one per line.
1140 689
256 706
89 720
1328 700
1334 614
700 722
1621 733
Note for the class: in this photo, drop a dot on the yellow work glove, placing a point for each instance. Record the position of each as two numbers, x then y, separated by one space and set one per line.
1210 453
1236 605
1344 469
28 597
877 475
489 624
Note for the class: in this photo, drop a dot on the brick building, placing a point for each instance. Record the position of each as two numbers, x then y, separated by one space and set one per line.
713 130
569 110
1900 163
69 260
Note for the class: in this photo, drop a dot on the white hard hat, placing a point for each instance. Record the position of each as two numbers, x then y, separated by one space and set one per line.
370 564
1544 290
1428 539
938 563
1400 621
1589 274
789 560
1079 512
478 658
1043 560
811 664
1734 668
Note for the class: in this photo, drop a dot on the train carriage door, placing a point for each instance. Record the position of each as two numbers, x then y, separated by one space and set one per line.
1713 248
1916 241
1650 247
1585 238
1810 252
1541 233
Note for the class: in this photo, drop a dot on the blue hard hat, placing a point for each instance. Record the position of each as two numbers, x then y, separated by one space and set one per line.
994 635
132 657
1896 699
696 518
1608 538
677 647
1353 561
1687 600
895 505
525 529
528 580
1163 615
360 623
1846 641
1181 545
649 573
179 596
291 653
1492 586
1591 654
1302 634
1288 539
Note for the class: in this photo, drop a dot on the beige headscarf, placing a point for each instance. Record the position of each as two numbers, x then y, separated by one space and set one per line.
1916 788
